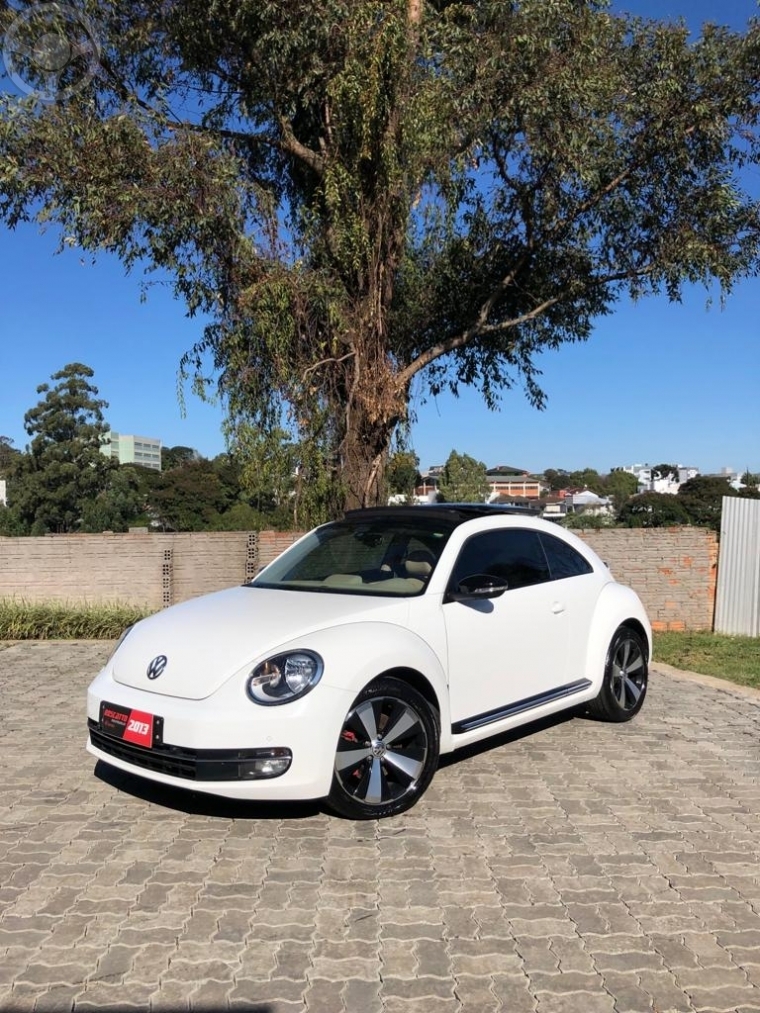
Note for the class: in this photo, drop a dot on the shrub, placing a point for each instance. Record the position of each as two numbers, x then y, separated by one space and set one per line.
26 620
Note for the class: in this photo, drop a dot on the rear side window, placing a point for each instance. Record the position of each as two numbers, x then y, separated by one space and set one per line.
564 560
514 555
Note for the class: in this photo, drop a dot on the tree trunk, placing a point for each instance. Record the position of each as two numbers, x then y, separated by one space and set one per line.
364 455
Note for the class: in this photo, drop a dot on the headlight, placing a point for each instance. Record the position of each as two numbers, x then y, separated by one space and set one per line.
284 677
120 641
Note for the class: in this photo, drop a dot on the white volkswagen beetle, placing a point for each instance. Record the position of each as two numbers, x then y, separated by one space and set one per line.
365 651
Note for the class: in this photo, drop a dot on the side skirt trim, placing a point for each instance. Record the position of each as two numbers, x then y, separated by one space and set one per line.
529 703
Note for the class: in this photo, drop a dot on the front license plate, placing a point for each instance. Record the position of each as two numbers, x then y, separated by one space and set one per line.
129 725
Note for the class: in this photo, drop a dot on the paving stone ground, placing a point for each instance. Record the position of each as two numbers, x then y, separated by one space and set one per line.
576 868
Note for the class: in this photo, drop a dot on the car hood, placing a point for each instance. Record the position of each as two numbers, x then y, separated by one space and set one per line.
208 639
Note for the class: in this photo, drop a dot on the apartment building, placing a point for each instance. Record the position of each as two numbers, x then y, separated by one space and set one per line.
129 449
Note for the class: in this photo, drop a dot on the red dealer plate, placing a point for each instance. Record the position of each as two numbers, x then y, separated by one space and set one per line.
128 725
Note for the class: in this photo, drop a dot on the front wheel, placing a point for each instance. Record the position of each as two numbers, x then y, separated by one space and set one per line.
387 751
626 674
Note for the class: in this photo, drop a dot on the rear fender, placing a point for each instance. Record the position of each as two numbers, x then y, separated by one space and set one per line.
617 605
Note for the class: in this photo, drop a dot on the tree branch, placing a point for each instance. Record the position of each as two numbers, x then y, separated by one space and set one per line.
482 330
290 144
324 362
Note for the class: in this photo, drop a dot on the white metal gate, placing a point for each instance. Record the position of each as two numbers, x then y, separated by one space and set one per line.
737 606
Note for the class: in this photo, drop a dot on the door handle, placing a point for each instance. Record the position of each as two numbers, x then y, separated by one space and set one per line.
557 607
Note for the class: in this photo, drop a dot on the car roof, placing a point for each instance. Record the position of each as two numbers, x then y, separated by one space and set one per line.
454 513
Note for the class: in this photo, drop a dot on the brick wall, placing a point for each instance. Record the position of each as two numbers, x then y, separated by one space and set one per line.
139 569
673 569
272 543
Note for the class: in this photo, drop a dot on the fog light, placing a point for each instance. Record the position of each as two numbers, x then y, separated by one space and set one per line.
268 763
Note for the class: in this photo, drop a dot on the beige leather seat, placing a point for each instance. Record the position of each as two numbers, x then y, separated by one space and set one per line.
419 564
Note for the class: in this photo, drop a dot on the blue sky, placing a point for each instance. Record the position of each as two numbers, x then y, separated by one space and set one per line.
656 382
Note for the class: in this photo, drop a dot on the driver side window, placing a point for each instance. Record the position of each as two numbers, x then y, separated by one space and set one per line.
513 555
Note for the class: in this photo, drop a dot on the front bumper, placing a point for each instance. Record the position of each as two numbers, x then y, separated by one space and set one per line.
213 745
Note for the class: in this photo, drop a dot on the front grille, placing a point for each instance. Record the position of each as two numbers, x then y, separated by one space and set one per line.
191 764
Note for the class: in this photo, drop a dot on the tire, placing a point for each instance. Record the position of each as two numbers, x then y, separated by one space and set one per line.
387 752
626 674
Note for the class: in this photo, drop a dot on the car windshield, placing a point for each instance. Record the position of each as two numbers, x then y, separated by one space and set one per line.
381 556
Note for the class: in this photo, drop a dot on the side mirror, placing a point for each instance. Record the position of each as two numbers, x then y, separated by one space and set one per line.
478 587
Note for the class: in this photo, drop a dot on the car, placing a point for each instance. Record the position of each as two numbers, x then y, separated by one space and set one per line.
368 649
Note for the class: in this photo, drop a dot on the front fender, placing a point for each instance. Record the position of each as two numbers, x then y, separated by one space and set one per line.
616 605
356 654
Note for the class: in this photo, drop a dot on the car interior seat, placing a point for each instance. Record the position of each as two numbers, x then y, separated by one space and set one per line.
419 563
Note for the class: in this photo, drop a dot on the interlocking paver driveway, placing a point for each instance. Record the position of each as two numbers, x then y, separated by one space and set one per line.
580 867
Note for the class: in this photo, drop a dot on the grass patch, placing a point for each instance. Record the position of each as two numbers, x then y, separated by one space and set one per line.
27 620
736 659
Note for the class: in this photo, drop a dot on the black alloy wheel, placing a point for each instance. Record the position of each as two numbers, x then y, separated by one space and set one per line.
626 676
387 751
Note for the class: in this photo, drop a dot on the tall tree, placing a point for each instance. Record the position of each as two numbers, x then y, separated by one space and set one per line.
189 498
586 478
702 498
8 454
403 473
653 510
366 196
118 505
557 478
620 485
664 471
174 457
464 480
64 469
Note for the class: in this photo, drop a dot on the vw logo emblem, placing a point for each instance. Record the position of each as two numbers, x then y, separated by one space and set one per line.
156 667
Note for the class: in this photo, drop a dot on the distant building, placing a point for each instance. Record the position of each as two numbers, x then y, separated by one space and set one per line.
734 478
669 484
555 506
128 449
587 502
3 493
509 482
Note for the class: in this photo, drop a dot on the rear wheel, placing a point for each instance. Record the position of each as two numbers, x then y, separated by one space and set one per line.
626 676
387 751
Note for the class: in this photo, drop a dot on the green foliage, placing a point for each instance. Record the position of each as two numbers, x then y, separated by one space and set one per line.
10 523
653 510
702 498
464 480
751 480
26 620
119 505
188 498
8 454
583 520
665 471
620 485
403 473
736 659
244 517
363 196
174 457
288 482
63 470
587 478
557 478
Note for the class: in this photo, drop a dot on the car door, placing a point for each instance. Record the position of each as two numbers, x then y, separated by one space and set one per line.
503 652
577 586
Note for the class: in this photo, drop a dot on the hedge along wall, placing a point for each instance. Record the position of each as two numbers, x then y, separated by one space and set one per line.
673 569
